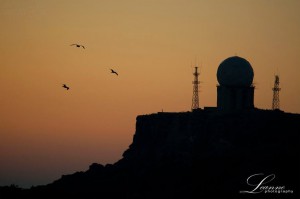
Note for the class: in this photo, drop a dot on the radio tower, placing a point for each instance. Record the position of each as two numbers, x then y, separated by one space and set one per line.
195 100
276 89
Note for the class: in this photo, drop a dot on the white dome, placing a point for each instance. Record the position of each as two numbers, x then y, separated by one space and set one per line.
235 71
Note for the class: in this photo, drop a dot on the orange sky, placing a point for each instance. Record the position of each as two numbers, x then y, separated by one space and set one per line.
47 131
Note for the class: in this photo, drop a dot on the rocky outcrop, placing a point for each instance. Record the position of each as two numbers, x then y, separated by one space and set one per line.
202 154
185 137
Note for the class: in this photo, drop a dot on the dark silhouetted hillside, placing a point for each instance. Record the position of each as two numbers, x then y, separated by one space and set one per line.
202 154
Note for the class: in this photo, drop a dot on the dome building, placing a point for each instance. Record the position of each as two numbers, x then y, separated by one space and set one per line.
235 90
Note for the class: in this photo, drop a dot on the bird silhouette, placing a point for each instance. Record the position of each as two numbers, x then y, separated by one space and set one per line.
78 45
112 71
66 87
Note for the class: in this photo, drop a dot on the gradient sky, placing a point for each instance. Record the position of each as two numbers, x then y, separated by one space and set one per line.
47 131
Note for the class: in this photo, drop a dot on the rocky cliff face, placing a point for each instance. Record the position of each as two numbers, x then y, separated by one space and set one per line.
203 154
189 136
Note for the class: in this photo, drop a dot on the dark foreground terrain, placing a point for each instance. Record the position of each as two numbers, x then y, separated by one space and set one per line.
201 154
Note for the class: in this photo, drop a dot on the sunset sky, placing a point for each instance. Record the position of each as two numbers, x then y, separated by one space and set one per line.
47 131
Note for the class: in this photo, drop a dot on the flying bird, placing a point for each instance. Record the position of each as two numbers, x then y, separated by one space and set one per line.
78 45
112 71
66 87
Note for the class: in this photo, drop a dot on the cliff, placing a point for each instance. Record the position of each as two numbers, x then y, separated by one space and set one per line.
201 154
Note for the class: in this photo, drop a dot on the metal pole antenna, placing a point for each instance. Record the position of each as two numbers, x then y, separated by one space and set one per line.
276 89
195 99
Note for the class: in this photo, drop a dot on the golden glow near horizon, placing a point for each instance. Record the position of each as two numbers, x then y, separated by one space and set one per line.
47 131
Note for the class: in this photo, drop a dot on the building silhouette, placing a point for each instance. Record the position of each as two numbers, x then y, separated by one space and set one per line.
235 90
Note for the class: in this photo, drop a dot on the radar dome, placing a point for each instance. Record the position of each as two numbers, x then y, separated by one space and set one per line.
235 71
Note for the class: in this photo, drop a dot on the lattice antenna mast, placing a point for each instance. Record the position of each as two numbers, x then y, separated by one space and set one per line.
276 89
195 99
